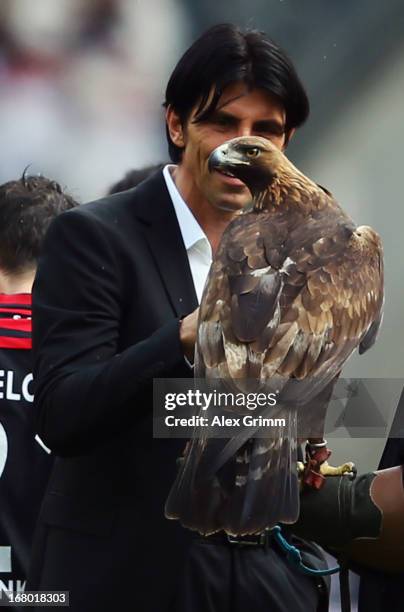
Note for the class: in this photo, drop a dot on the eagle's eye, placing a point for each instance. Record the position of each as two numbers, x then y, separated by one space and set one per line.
253 152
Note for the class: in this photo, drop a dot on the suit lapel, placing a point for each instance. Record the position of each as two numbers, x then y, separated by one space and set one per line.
163 235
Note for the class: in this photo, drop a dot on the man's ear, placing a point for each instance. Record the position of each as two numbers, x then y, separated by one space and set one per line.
174 127
288 137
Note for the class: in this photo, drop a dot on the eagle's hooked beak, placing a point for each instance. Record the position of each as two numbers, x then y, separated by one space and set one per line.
237 158
226 158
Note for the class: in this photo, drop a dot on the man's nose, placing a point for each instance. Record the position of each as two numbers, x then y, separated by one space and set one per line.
245 130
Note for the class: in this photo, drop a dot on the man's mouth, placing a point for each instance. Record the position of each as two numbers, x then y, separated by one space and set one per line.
229 177
225 172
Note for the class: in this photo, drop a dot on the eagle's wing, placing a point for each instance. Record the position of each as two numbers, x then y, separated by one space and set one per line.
279 306
338 308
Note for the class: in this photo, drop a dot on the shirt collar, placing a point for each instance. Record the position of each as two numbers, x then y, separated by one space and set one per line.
190 229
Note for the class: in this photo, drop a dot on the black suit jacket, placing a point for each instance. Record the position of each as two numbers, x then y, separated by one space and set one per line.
111 286
112 283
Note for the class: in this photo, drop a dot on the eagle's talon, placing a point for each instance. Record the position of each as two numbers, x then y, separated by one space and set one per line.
329 470
316 467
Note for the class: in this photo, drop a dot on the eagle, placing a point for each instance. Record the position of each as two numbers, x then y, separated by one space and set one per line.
294 288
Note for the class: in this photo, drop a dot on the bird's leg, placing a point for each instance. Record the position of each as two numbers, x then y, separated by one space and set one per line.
329 470
317 454
316 466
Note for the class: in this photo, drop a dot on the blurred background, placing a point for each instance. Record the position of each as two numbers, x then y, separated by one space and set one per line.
82 83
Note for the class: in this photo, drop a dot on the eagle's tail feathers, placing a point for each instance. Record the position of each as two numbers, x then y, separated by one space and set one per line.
253 490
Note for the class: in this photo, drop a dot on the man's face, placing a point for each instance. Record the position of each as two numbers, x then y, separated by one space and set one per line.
239 112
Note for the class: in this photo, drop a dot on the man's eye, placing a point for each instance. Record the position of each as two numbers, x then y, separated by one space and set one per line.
222 121
272 132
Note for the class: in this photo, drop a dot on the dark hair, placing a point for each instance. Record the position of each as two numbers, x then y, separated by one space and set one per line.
225 54
133 177
27 206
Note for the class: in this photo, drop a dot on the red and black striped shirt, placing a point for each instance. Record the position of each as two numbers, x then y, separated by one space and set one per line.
15 321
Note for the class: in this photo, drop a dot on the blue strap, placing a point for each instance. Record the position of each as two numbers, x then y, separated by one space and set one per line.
293 555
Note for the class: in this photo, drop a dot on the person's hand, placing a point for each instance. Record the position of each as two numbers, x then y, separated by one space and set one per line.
188 329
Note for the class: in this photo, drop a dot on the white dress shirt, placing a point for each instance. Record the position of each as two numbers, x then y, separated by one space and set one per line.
196 243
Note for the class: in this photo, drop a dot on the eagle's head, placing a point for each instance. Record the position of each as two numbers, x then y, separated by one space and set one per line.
254 160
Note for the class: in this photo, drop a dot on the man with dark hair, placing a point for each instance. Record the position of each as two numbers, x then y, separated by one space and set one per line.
27 206
115 305
223 56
